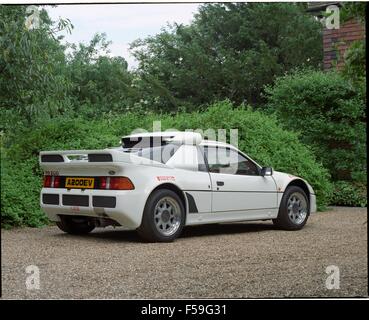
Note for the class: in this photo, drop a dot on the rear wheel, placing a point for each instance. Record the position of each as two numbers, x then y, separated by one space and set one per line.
294 209
75 225
163 218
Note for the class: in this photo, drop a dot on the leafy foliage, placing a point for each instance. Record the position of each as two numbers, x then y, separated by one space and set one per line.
82 98
97 79
31 65
329 111
229 51
355 65
353 10
355 57
39 80
21 208
350 194
259 136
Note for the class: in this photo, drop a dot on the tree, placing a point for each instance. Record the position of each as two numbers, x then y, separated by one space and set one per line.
98 79
229 51
32 81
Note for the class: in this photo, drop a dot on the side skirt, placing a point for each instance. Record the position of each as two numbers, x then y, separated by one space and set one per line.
231 216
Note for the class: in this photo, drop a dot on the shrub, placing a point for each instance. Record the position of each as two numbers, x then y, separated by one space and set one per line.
259 136
20 194
350 194
355 61
329 112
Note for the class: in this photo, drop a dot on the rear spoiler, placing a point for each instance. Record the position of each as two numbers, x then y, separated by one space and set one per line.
145 140
83 158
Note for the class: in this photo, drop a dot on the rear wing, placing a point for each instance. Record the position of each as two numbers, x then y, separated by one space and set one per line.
84 158
150 139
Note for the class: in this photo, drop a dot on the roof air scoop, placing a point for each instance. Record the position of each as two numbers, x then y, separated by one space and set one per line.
188 138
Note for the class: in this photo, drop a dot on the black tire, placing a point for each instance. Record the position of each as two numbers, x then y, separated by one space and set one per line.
149 230
284 220
75 224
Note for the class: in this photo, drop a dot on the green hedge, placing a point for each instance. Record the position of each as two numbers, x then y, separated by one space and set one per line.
259 136
329 112
349 194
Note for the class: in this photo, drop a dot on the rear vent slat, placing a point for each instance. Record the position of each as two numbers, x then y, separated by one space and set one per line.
104 202
49 198
52 158
75 200
100 157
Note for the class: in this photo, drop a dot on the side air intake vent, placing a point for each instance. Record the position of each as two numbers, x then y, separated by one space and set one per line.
100 157
52 158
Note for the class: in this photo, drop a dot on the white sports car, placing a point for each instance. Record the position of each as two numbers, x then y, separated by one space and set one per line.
160 182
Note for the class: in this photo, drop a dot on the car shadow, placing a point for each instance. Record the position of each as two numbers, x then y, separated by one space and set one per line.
119 235
104 234
224 229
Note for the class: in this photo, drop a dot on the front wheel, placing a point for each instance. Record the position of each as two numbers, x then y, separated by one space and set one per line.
75 225
163 218
294 209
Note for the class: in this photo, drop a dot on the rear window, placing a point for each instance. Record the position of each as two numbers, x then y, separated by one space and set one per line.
143 142
159 153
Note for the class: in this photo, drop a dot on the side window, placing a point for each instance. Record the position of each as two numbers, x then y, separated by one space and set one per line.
201 161
228 161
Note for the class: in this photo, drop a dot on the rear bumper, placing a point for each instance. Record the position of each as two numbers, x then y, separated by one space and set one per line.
126 207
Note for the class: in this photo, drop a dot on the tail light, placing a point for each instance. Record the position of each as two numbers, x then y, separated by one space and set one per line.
116 183
103 182
56 183
51 182
47 181
121 183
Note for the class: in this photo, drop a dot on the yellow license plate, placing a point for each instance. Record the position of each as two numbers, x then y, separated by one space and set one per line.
81 183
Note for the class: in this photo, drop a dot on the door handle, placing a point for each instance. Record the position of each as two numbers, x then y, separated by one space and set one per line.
220 183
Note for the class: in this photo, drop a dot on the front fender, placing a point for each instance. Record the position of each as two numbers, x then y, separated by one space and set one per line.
283 180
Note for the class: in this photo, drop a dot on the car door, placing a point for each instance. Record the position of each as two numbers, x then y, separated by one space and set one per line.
236 182
193 178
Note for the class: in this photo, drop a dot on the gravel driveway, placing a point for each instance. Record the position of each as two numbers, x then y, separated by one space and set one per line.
215 261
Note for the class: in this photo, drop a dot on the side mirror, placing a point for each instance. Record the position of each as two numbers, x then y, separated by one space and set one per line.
266 171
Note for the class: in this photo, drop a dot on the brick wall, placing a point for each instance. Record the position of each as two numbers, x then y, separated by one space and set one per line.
338 40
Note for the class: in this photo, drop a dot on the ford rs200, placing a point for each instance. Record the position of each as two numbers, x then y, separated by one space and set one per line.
157 183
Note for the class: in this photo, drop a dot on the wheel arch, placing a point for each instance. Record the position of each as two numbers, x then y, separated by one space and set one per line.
174 188
302 184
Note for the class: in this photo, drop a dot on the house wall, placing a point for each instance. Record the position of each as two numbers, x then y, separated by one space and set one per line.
336 41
